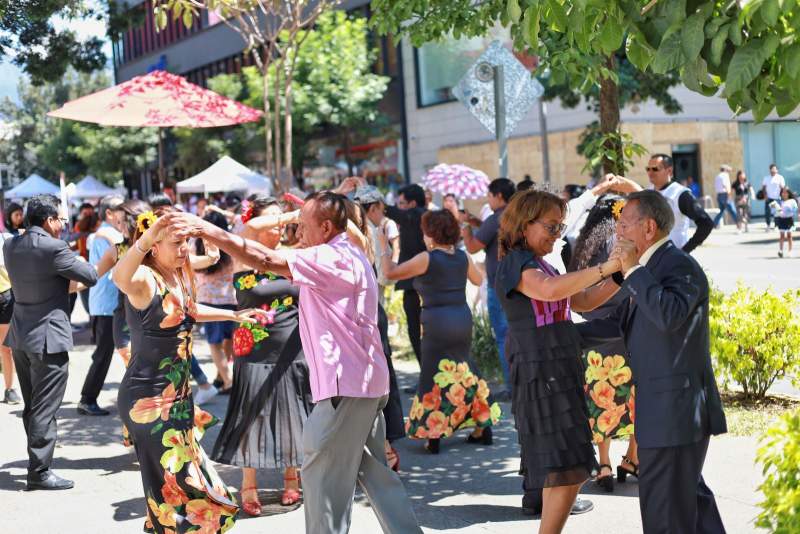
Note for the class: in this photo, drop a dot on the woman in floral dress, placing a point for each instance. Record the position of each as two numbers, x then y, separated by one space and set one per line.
610 393
450 394
271 394
181 488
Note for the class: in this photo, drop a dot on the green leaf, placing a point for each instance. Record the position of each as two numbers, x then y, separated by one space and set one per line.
638 54
692 36
157 428
718 45
163 363
558 16
675 12
514 11
770 10
714 25
188 18
735 34
761 111
669 55
792 55
611 36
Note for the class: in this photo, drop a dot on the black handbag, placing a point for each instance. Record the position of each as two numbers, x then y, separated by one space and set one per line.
760 195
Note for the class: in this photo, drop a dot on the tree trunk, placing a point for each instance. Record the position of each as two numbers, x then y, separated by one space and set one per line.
268 126
609 118
347 157
277 126
287 130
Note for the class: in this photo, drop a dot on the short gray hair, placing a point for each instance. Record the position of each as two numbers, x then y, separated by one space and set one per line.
652 205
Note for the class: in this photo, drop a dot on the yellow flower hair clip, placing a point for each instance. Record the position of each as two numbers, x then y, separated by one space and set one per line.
145 220
616 209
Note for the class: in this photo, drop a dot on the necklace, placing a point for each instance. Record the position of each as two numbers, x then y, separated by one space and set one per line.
449 249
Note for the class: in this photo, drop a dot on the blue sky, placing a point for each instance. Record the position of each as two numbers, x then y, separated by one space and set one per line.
10 74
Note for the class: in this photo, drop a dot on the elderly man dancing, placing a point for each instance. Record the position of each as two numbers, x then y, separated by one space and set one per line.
343 439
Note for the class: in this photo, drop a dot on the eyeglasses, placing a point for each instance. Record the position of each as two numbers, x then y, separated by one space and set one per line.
625 225
653 169
63 220
552 229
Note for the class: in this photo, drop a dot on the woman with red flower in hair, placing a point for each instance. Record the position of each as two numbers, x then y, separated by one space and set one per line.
271 395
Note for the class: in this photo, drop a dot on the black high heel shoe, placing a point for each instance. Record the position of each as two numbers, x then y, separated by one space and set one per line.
484 439
622 472
606 482
432 446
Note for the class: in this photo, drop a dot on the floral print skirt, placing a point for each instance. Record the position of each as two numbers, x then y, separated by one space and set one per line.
458 399
182 491
610 395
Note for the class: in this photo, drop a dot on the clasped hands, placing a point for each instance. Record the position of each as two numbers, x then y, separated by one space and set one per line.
625 253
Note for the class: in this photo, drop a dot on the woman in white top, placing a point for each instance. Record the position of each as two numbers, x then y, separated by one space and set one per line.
785 212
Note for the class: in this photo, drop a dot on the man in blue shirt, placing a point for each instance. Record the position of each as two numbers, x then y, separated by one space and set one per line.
103 299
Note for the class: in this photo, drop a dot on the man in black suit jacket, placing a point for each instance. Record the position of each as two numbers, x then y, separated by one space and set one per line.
41 267
665 328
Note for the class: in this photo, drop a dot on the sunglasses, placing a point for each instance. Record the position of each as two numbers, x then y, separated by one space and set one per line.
653 169
553 229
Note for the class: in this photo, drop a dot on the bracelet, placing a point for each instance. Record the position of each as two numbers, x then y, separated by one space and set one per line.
137 247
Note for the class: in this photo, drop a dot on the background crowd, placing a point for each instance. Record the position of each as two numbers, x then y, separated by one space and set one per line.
148 281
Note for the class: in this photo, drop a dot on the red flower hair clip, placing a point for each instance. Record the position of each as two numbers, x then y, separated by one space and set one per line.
247 214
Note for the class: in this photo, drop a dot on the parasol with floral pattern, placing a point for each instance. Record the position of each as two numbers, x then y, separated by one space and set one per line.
458 180
158 99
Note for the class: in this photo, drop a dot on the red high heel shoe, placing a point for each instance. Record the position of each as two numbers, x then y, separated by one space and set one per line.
251 507
290 496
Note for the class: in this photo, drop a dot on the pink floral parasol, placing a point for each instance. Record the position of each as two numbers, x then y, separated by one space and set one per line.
157 99
459 180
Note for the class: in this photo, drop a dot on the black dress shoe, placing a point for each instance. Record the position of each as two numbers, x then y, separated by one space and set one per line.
91 409
532 505
50 481
484 439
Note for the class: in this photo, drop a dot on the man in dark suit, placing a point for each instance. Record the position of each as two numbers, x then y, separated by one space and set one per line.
665 328
41 267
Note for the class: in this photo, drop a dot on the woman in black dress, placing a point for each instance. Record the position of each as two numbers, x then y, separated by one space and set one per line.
544 351
450 394
182 490
271 395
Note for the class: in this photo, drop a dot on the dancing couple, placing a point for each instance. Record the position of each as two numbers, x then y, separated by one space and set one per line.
664 325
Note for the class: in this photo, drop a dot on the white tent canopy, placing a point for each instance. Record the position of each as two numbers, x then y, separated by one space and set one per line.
224 176
91 187
33 185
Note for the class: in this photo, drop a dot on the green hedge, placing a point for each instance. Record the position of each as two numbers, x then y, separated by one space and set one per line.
755 337
780 456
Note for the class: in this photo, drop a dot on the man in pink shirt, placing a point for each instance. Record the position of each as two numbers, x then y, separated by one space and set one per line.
343 439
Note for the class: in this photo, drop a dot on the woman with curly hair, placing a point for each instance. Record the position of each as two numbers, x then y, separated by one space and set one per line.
544 351
450 394
610 393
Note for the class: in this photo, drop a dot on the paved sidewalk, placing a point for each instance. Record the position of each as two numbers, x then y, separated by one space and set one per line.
466 489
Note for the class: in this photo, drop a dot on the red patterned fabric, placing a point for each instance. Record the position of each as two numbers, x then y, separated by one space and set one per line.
157 99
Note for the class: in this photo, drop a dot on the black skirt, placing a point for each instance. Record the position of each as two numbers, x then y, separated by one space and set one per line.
549 404
269 405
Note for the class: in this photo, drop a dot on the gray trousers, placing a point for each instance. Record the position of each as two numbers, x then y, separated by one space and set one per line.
343 442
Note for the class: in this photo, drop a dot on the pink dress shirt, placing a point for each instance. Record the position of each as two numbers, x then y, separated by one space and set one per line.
339 320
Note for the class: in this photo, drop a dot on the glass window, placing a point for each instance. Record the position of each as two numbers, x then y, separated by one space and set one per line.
787 157
441 65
